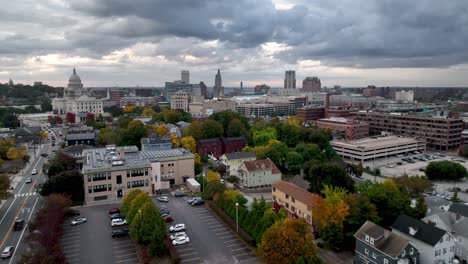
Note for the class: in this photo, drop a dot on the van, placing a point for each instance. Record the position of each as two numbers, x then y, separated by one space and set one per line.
19 224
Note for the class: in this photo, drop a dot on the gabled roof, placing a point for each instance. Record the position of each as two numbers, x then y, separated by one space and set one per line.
389 243
240 155
458 208
261 165
294 191
28 131
426 233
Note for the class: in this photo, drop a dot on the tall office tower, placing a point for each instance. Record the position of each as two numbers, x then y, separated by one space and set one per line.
311 84
241 85
290 80
185 76
218 89
204 90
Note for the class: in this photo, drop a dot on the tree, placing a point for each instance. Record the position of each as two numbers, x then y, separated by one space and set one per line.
212 129
262 137
212 176
114 110
445 170
43 135
310 152
109 136
70 117
358 169
236 128
11 121
225 118
46 106
286 241
319 174
69 183
4 187
195 130
420 209
135 206
123 121
143 224
129 108
294 162
413 185
161 130
133 134
127 200
189 144
211 189
360 210
148 111
16 153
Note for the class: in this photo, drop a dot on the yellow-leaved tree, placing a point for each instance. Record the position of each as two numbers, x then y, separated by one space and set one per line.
189 144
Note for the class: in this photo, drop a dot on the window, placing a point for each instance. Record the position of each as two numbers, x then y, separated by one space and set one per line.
293 200
109 187
287 196
309 218
448 238
128 174
367 238
108 175
100 188
367 251
436 254
372 241
385 261
458 251
293 209
414 261
89 178
119 179
146 183
100 177
287 205
146 171
274 189
445 250
90 190
411 251
129 185
374 255
404 253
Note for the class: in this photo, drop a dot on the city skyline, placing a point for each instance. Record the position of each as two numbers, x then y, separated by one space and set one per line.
343 43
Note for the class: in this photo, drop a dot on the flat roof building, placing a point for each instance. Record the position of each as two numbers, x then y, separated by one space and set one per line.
344 128
368 149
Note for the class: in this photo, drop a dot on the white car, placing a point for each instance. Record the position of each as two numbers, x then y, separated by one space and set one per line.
28 180
78 221
34 172
181 241
193 199
118 222
177 228
177 235
8 252
163 199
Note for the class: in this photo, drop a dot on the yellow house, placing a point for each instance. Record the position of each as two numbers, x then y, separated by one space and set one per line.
235 159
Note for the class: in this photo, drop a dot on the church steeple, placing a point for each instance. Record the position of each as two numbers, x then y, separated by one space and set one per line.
10 82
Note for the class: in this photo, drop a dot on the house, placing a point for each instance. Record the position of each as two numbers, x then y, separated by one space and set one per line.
155 142
219 146
76 152
80 135
173 129
27 134
233 160
434 244
258 173
295 200
436 205
455 222
375 244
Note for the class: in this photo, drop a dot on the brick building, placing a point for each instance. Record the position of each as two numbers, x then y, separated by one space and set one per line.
311 113
349 129
440 133
220 146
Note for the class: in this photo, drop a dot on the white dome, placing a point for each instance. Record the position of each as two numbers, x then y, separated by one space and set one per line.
74 78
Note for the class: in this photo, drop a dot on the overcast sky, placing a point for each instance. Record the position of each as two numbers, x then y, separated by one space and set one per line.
148 42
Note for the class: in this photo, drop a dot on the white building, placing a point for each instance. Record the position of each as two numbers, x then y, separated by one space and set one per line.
404 96
372 148
434 244
76 100
258 173
180 100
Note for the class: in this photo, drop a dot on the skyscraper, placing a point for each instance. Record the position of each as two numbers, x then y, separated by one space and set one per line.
185 76
290 80
218 89
311 84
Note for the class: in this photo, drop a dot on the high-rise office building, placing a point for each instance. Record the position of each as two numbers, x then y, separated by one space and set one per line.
311 84
290 80
185 76
218 89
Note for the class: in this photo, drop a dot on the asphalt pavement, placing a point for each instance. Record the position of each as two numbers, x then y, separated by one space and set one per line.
211 241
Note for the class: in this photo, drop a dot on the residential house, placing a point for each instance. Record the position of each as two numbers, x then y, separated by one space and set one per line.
295 200
155 142
455 222
434 244
27 134
258 173
233 160
173 129
377 245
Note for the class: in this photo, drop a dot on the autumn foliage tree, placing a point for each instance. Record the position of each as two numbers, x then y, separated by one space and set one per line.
286 241
70 117
189 144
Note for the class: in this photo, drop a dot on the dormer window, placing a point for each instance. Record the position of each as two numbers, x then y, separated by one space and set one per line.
367 238
411 252
403 254
372 241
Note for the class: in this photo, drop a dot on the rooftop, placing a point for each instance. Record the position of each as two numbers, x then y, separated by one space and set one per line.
459 209
336 119
261 165
375 142
421 231
294 191
240 155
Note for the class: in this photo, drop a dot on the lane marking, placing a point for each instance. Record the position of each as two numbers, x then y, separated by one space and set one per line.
188 254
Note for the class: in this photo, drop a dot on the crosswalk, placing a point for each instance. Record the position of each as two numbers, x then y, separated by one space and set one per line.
25 194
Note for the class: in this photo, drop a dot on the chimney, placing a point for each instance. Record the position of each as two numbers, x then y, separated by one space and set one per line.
122 154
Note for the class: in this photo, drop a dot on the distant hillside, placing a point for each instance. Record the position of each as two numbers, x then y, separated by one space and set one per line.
20 94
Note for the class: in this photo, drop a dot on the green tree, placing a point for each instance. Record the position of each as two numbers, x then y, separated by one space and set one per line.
46 106
194 130
115 111
319 174
212 129
420 210
69 183
136 205
236 128
294 162
455 198
263 137
133 135
143 224
360 210
226 119
310 152
4 187
109 136
413 185
211 189
123 121
127 200
445 170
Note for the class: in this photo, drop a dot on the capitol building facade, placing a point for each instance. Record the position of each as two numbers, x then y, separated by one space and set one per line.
77 101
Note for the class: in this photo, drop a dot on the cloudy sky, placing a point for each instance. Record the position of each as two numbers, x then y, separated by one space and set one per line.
147 42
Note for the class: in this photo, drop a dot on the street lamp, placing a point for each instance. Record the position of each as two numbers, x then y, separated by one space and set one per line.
237 217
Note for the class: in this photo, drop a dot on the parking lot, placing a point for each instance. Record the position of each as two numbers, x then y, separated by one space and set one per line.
91 242
210 240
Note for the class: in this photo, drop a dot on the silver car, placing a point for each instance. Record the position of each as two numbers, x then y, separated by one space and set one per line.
78 221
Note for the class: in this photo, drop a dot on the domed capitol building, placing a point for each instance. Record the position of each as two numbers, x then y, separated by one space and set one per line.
77 101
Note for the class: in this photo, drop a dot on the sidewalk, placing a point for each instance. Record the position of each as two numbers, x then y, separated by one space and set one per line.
15 179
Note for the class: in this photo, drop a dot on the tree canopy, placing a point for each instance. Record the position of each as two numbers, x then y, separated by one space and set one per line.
445 170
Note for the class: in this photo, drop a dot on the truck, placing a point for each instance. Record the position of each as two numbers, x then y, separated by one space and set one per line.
193 185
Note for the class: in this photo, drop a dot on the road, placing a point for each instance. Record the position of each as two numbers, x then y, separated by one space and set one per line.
23 205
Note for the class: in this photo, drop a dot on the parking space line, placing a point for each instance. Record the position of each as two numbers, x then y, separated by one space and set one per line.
243 254
220 233
119 246
188 260
68 239
184 249
73 260
212 221
216 225
254 257
120 261
72 255
121 256
70 246
188 254
242 248
235 245
218 229
125 250
71 250
232 240
226 236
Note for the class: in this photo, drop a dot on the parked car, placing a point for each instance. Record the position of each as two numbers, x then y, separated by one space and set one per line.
181 241
116 216
168 219
28 180
8 252
19 224
72 212
198 202
164 211
118 222
78 221
114 211
179 194
34 172
163 199
165 214
193 199
177 228
120 233
176 235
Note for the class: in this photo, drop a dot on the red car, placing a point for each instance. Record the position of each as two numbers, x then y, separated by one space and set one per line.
168 219
114 211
